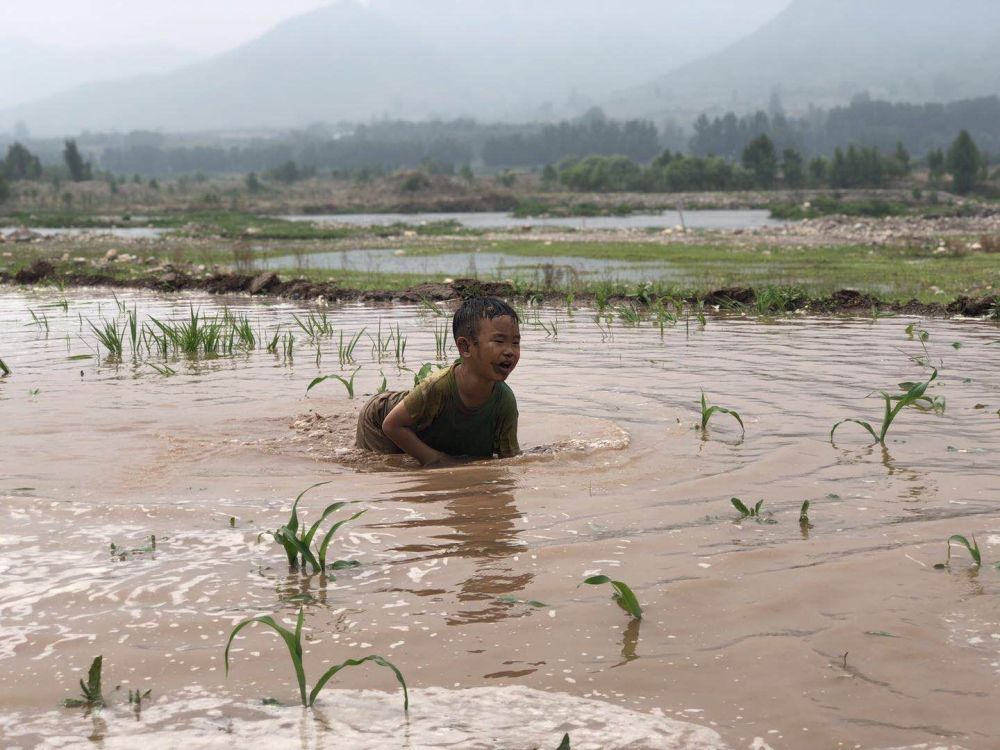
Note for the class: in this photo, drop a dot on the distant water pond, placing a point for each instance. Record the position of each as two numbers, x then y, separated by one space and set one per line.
123 232
716 219
480 265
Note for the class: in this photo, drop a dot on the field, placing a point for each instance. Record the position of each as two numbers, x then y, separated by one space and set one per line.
156 444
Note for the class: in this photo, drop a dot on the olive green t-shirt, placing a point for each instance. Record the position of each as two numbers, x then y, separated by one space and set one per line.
442 421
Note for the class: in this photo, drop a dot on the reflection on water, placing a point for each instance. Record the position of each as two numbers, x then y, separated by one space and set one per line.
470 514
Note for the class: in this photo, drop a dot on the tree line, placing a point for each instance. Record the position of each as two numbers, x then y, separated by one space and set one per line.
761 166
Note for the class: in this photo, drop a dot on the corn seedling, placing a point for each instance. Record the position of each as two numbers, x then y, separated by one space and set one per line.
293 641
804 516
90 690
564 745
629 315
110 337
272 345
429 305
136 697
623 594
973 548
39 322
707 412
122 553
298 542
288 345
314 326
380 344
345 352
400 345
747 512
4 370
913 396
384 385
912 330
551 330
424 372
441 340
348 383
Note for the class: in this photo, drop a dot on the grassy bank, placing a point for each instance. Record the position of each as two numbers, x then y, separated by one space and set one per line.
893 274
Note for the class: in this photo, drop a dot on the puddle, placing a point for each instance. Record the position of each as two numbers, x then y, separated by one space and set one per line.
753 635
702 219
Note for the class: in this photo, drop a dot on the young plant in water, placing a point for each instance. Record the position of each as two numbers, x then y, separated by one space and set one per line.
623 594
804 516
707 412
298 542
345 351
293 641
4 370
348 383
745 511
913 395
90 690
973 548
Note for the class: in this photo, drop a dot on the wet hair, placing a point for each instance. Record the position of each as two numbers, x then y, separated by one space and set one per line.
467 317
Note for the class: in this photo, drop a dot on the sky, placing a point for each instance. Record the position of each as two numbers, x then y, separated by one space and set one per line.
202 26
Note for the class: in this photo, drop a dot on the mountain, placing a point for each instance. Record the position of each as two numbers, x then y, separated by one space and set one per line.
826 51
42 70
502 59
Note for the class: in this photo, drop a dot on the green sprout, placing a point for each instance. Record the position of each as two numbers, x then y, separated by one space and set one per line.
345 351
913 396
707 412
298 543
747 512
294 643
973 548
4 370
623 595
90 690
804 516
347 382
564 745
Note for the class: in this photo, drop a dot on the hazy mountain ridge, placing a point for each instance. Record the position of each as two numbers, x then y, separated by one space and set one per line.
825 51
33 70
401 58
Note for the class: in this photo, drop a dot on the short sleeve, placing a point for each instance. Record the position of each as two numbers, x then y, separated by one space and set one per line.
505 442
426 401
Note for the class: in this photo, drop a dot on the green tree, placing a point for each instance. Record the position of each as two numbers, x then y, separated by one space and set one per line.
20 164
902 157
965 163
819 170
935 164
760 159
79 170
792 168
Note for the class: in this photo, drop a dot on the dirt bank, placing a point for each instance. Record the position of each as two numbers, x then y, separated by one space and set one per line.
170 278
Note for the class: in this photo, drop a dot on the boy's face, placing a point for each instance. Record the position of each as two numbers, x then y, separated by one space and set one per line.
494 353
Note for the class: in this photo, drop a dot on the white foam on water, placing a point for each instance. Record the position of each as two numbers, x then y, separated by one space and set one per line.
488 718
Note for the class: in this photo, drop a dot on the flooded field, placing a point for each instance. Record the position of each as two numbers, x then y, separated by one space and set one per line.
756 632
698 219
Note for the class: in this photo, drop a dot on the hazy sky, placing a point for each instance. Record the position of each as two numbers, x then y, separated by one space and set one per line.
200 25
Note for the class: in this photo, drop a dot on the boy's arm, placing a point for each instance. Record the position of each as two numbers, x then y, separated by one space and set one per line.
398 427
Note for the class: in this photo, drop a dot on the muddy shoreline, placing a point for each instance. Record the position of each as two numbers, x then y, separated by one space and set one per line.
170 278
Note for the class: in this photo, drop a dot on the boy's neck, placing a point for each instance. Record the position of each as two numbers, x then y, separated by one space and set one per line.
473 391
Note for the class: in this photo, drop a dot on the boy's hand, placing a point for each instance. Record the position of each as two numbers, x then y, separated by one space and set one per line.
441 461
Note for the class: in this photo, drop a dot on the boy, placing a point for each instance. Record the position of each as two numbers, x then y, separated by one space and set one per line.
464 410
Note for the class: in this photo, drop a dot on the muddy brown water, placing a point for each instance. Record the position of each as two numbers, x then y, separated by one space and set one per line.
754 634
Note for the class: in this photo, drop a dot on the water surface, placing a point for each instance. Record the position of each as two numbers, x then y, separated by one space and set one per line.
754 634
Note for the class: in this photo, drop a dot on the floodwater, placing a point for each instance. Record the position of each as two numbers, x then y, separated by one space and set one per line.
482 263
701 219
754 634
